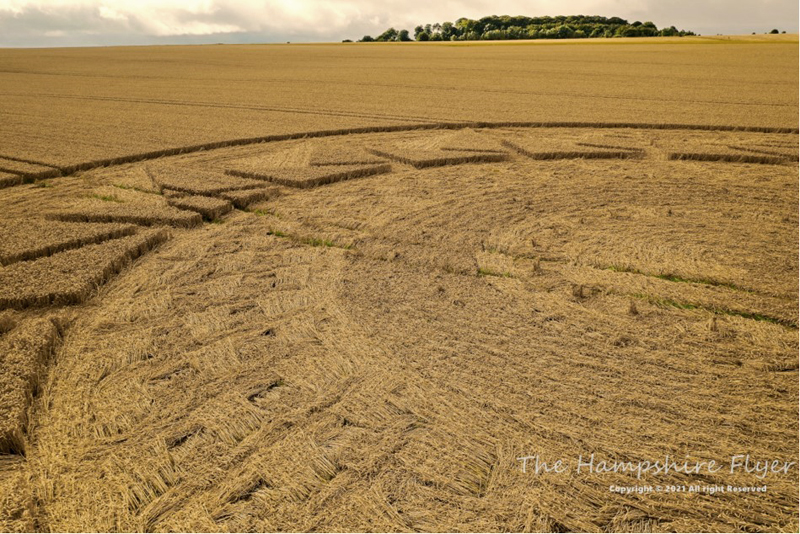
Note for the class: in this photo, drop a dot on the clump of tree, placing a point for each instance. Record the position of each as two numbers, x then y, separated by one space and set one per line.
389 35
497 28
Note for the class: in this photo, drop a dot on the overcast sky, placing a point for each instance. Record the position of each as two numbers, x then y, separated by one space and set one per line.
109 22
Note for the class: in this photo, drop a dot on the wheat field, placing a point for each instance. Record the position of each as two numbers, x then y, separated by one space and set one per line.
347 287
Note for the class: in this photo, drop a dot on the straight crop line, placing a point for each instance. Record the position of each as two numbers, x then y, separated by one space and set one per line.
728 158
334 177
11 171
28 161
764 151
473 157
574 154
44 251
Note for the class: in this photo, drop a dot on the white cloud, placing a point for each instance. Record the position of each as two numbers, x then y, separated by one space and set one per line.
111 14
52 22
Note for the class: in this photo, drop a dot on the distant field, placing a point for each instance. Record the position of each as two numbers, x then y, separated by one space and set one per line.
379 275
68 106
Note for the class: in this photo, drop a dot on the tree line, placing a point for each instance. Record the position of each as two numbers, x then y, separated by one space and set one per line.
498 28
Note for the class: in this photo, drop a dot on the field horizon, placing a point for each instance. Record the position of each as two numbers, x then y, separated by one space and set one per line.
349 287
782 38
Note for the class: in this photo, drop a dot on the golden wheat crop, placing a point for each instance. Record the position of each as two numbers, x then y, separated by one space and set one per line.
27 239
70 277
243 198
102 210
25 353
336 87
210 208
404 285
305 177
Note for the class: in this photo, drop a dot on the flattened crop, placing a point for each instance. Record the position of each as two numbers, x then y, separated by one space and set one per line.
8 179
343 155
23 358
466 140
305 177
727 148
100 211
210 208
438 158
242 199
544 149
198 182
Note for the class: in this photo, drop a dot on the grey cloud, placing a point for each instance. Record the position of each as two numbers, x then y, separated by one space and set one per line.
334 20
722 16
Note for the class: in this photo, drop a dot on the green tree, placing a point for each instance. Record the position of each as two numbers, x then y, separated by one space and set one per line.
465 26
388 35
522 27
669 32
448 30
403 36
